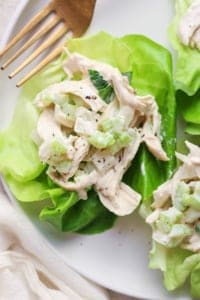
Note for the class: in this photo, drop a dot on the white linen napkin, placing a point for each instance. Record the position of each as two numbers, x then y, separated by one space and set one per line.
29 268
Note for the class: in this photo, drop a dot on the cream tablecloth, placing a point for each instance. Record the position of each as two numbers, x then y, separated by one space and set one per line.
23 275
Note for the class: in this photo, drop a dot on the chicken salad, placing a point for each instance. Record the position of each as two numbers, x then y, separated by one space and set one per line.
87 142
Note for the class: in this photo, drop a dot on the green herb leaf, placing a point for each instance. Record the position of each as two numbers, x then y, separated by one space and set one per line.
104 88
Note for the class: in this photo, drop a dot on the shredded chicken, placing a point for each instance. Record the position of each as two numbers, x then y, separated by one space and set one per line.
123 91
151 129
192 243
81 88
60 117
191 215
189 27
81 147
123 202
81 182
182 193
108 183
162 194
47 127
90 143
153 217
86 122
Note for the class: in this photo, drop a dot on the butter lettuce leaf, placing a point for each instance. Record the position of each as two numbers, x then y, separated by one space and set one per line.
189 110
178 266
70 214
187 70
150 66
18 153
152 74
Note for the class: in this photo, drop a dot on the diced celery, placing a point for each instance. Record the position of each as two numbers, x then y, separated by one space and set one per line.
57 148
178 233
48 98
168 218
193 200
69 110
101 140
181 196
76 100
115 124
180 230
122 140
64 166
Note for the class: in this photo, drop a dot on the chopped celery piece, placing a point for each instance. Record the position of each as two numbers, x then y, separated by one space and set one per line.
168 218
122 140
64 166
57 148
194 198
69 110
101 140
178 233
181 196
115 124
47 98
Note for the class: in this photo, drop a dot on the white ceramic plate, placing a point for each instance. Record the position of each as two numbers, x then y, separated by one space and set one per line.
117 259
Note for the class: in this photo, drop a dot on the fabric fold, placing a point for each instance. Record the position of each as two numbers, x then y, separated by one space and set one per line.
31 269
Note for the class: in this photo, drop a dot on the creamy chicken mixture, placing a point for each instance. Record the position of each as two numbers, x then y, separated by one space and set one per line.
176 216
88 141
189 27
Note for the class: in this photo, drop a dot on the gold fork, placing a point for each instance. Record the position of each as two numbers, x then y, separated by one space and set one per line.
75 16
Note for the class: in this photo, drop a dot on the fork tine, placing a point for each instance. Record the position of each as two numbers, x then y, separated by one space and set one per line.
34 21
50 41
42 31
41 65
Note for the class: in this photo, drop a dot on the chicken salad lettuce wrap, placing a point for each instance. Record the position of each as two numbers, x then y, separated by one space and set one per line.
86 141
175 224
81 122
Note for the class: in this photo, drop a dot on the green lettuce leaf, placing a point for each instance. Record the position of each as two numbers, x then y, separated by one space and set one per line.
187 72
18 153
150 66
101 223
189 109
139 174
152 74
70 214
178 265
193 129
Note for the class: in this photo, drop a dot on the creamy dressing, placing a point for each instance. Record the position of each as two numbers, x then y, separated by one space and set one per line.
79 133
189 26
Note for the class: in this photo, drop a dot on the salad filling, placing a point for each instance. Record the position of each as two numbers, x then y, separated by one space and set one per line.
176 217
90 128
189 26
